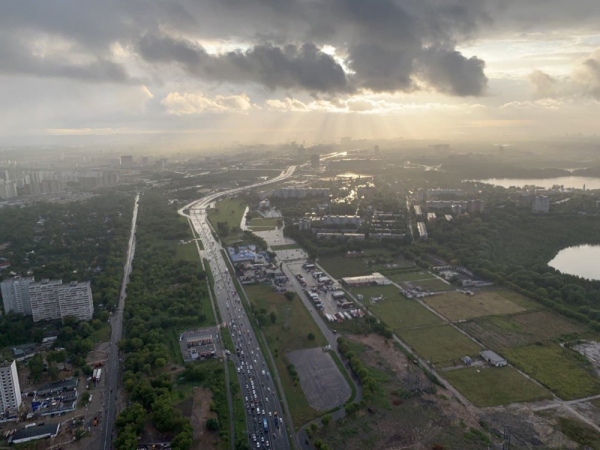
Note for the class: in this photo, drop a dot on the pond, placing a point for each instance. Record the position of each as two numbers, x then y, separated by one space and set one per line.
546 183
581 261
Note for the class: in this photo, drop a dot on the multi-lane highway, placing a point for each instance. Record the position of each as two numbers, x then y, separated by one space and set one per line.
264 417
112 366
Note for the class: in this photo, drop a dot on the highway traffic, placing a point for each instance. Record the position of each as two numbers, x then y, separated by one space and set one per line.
264 417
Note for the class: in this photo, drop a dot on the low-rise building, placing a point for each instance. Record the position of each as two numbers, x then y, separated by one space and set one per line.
493 358
374 279
342 220
422 230
33 433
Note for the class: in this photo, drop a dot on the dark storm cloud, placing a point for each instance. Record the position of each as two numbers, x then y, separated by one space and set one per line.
289 67
390 45
16 59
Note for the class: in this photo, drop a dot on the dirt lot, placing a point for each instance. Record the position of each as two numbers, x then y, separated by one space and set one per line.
203 439
520 329
458 306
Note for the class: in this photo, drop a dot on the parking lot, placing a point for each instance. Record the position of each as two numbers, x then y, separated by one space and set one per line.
321 381
329 304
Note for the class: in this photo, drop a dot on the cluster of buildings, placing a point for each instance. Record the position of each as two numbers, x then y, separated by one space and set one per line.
299 193
457 206
47 299
15 182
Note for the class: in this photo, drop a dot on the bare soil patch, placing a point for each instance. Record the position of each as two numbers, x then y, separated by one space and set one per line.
203 439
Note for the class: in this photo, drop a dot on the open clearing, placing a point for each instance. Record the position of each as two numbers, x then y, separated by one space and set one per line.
229 211
400 276
501 332
187 252
493 386
434 284
288 333
458 306
340 267
441 344
561 370
321 381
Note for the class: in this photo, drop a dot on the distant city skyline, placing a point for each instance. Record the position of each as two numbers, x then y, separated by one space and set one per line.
262 71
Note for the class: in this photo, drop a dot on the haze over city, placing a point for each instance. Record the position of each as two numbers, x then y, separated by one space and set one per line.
271 71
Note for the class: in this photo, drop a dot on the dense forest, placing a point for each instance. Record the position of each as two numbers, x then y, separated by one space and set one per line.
165 294
513 246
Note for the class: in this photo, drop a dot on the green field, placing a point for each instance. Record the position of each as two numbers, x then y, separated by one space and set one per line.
515 297
458 306
187 252
398 277
261 222
340 267
499 332
290 332
563 371
285 247
441 344
231 212
434 284
493 386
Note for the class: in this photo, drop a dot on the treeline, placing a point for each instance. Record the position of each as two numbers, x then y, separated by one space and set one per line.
164 294
512 246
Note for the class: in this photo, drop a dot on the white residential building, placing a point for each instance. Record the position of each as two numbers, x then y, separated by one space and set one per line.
541 204
15 295
51 300
422 230
10 390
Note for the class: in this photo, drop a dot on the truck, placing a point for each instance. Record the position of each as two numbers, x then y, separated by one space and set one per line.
97 375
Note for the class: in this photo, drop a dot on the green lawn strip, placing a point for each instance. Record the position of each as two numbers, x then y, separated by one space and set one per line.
265 228
399 277
285 247
173 346
563 371
207 306
239 414
262 222
340 267
344 372
433 285
396 310
493 386
440 344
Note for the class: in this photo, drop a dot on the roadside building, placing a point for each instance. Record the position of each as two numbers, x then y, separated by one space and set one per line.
34 433
493 358
373 279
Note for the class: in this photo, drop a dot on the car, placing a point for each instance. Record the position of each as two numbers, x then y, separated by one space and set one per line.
270 414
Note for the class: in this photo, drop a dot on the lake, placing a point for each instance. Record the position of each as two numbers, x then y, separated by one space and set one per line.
581 260
546 183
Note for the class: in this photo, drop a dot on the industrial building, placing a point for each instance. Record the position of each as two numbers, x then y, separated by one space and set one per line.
493 358
373 279
342 220
33 433
15 295
10 390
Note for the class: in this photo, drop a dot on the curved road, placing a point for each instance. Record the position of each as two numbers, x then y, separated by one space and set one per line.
261 400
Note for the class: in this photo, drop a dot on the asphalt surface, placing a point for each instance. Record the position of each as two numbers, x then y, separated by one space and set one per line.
111 369
257 384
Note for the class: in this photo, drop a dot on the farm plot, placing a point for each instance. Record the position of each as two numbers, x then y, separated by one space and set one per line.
442 344
493 386
458 306
499 332
563 371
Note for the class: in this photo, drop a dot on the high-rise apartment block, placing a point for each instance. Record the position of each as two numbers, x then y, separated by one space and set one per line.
51 300
10 390
541 204
15 295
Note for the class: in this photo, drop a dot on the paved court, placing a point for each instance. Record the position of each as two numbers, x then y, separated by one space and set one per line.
321 381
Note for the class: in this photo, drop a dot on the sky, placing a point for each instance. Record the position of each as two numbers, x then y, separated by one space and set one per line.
306 70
